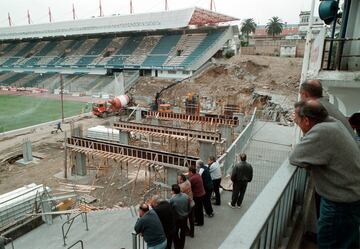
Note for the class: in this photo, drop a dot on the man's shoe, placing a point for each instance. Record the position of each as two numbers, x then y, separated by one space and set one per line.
211 215
238 206
231 205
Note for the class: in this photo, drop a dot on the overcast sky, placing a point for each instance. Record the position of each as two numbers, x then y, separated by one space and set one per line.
260 10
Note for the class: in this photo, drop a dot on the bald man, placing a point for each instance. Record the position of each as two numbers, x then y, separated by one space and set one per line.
313 90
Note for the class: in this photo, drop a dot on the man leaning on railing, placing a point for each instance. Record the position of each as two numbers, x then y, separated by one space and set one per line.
4 241
331 154
150 227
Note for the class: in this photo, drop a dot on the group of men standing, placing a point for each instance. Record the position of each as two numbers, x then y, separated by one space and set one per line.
329 150
166 222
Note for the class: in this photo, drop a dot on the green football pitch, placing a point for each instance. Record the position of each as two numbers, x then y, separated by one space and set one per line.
22 111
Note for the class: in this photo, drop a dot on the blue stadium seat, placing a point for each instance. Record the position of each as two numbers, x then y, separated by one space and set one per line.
159 54
210 39
126 50
96 50
13 78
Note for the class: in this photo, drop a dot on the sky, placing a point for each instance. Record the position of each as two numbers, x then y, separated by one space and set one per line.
259 10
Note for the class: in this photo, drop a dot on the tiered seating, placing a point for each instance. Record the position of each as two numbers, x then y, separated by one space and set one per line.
43 52
83 83
9 48
19 54
210 39
53 55
59 59
113 46
94 52
80 47
142 51
125 51
13 78
38 80
160 53
186 45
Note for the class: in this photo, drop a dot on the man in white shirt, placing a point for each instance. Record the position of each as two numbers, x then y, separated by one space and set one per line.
215 172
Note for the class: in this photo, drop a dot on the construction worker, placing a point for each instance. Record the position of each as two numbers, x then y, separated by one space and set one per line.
58 127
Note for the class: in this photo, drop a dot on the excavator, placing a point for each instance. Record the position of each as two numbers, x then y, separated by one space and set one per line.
159 105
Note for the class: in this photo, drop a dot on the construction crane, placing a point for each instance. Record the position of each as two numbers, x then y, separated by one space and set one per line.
158 104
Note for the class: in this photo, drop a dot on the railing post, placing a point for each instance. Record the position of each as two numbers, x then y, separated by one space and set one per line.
134 240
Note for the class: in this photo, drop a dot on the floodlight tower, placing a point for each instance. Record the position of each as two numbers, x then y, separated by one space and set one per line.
131 7
100 9
50 16
166 5
73 12
212 5
28 17
9 19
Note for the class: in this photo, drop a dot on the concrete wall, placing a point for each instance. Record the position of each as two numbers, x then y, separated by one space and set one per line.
272 47
353 31
171 74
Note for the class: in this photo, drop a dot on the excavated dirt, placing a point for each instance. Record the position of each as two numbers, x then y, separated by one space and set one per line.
247 81
232 81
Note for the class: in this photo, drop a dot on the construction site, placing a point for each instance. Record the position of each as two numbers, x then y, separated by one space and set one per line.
134 145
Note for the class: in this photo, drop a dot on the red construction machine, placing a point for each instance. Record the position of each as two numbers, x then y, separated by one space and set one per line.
110 107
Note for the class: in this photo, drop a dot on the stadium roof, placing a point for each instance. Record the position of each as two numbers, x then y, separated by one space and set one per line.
114 24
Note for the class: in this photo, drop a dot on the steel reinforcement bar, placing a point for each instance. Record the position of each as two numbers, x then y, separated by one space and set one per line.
159 130
164 158
194 118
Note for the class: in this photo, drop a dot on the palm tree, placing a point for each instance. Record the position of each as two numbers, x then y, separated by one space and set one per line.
248 26
274 26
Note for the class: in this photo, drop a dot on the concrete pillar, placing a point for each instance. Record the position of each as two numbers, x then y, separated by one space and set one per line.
176 109
206 150
46 208
80 164
177 124
241 119
124 137
138 115
226 133
27 151
155 121
171 176
80 158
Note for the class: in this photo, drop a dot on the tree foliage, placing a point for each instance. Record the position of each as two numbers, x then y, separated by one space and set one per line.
248 26
274 26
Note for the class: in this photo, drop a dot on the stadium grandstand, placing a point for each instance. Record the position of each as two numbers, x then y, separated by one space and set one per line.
169 44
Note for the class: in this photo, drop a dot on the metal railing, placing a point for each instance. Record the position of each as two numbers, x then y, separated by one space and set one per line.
70 222
267 221
228 159
138 241
336 51
77 242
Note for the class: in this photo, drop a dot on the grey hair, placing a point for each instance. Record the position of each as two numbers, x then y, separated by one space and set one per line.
155 199
199 163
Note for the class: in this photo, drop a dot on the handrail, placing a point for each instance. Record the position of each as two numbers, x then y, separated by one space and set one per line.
267 220
71 221
138 241
246 132
77 242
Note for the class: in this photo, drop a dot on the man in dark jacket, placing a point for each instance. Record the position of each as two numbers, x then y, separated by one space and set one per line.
180 203
167 218
208 186
150 227
4 241
242 173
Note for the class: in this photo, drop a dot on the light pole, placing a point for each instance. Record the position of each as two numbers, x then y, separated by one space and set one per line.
62 97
